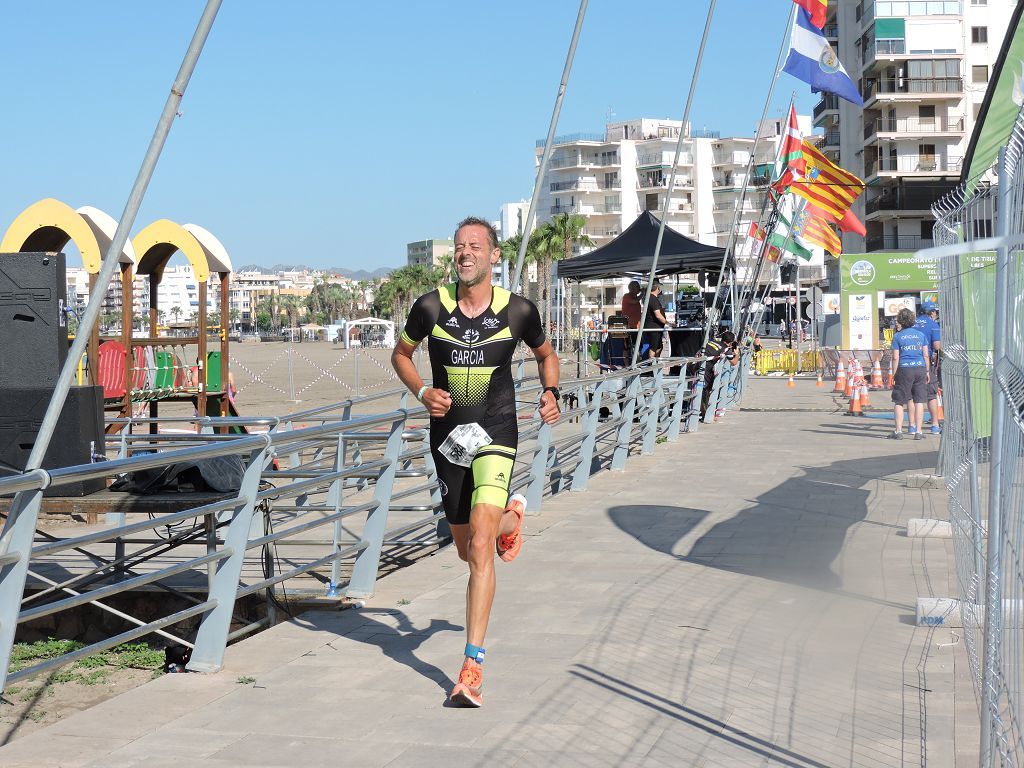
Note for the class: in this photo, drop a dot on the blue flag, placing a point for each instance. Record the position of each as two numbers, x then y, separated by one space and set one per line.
812 60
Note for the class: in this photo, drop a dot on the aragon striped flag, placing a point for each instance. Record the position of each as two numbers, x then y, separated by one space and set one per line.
825 184
816 9
817 231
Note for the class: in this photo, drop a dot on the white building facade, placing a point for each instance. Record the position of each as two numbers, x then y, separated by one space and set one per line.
922 68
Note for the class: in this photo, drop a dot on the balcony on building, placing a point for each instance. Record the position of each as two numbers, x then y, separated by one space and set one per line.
586 185
894 242
587 209
868 10
892 128
911 165
826 111
892 90
903 198
654 160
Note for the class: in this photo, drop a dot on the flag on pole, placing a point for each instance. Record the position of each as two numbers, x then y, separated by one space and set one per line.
826 185
792 146
812 60
850 223
786 238
816 231
774 253
816 9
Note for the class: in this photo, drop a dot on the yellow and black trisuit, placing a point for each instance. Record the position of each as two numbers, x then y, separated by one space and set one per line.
471 359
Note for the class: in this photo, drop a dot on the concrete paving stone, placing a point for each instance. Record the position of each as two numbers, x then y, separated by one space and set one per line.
65 751
311 752
186 745
720 630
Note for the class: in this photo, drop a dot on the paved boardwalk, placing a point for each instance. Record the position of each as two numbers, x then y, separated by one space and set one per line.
742 597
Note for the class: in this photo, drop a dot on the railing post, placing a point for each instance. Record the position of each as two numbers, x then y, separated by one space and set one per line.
443 529
653 409
625 431
293 458
716 391
676 416
212 638
16 539
364 570
335 499
693 422
539 469
581 475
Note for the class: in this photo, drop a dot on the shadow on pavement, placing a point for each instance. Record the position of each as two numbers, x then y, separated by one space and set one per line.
695 719
400 643
792 533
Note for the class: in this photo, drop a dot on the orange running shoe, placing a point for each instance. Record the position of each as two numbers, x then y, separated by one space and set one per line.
508 546
468 692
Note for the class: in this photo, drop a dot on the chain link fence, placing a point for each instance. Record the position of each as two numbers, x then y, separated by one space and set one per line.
979 234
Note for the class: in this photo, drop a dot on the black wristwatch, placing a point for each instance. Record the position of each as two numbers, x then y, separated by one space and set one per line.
554 391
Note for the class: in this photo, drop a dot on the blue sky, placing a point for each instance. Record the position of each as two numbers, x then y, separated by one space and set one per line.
332 133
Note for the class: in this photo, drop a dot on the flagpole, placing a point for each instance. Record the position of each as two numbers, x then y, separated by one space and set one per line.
672 181
748 282
548 141
730 243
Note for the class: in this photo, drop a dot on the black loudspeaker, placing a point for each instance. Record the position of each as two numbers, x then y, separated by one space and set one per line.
787 273
79 433
33 326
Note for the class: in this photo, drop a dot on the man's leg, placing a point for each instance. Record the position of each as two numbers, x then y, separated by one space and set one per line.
897 413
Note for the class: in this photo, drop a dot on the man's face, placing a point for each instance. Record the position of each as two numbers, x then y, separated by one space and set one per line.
474 256
933 314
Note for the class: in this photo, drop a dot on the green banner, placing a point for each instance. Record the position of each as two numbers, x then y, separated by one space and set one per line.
1000 107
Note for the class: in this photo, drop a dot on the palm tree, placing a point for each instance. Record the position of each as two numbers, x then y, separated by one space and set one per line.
175 313
447 267
556 239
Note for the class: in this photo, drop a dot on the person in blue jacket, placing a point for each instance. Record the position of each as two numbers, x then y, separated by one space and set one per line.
911 359
929 324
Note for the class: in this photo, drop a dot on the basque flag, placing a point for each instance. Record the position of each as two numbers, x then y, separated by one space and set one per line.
812 60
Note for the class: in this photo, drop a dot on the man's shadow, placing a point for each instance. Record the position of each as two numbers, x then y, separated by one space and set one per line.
400 643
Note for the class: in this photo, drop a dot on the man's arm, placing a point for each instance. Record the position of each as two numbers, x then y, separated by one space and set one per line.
660 316
547 369
437 401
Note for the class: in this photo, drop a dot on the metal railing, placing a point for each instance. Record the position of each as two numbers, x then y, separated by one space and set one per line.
982 376
897 243
342 487
912 86
913 164
914 125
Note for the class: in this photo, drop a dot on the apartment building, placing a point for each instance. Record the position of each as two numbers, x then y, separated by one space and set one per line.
922 67
429 252
611 178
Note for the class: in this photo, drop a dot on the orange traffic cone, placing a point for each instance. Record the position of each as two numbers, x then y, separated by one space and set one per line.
876 375
939 413
864 401
854 406
791 383
840 378
819 382
890 381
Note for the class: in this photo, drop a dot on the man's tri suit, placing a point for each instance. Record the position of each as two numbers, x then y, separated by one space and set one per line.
471 359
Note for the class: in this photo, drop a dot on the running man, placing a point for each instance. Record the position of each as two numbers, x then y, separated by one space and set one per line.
474 329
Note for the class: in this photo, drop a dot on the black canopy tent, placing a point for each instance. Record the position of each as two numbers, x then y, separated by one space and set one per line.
633 251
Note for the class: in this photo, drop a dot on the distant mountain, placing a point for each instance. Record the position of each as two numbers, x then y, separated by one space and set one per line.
352 274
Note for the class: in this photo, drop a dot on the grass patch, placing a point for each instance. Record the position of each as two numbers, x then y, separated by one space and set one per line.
91 670
245 680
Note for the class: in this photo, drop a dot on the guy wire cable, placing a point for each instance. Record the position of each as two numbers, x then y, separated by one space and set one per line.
672 182
764 114
546 155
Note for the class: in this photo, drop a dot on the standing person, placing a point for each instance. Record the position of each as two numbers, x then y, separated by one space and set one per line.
631 305
910 358
655 318
928 323
474 329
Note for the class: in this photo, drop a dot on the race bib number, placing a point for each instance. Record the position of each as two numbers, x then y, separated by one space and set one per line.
463 442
